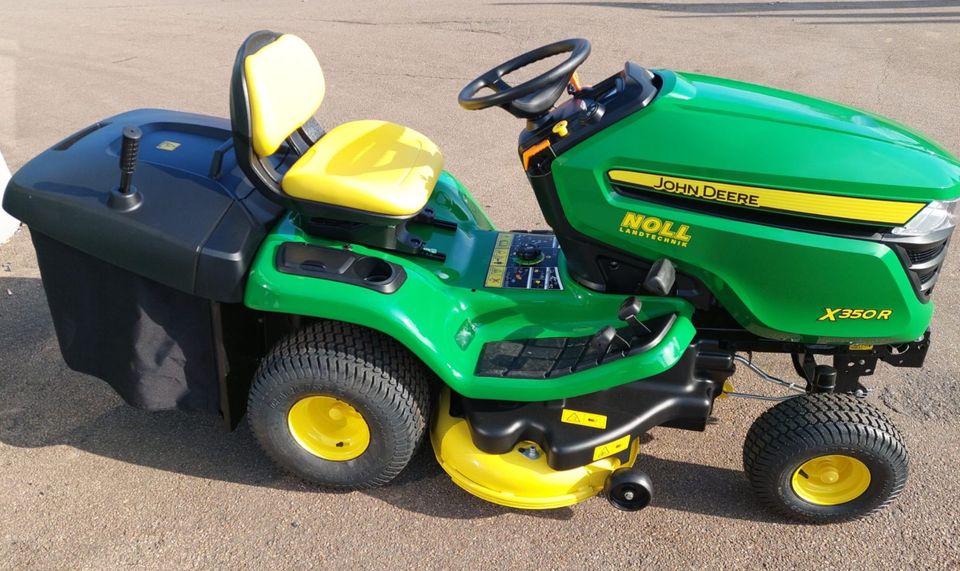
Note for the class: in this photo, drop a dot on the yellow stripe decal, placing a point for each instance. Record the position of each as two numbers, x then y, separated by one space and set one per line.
498 261
846 207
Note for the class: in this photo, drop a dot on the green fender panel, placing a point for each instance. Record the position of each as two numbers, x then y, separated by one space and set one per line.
444 314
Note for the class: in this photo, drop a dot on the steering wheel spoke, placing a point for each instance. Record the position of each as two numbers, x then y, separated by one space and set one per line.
499 85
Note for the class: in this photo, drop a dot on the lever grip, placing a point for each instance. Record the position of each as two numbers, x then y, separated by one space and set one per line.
129 149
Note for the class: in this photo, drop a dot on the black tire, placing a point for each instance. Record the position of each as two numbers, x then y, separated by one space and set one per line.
809 426
369 371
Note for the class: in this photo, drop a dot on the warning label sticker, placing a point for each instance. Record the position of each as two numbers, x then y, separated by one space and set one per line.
611 448
589 419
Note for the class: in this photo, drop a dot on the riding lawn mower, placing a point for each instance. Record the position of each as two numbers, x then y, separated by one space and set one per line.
351 298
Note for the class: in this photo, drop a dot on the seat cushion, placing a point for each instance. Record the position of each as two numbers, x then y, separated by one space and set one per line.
374 166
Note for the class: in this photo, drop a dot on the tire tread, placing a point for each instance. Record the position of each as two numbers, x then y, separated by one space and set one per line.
820 420
375 364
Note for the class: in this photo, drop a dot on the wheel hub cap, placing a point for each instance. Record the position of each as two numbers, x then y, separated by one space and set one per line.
831 480
328 428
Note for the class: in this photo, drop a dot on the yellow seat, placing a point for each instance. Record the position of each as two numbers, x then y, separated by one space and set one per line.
371 166
374 166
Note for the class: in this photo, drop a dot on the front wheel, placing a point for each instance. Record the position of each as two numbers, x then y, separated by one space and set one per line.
340 405
825 458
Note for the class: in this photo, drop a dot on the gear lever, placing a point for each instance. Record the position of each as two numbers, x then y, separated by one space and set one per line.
129 150
629 310
126 196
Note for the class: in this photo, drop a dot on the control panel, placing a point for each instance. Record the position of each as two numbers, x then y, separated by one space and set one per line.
524 261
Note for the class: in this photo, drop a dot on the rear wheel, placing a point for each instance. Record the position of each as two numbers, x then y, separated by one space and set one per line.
825 458
340 405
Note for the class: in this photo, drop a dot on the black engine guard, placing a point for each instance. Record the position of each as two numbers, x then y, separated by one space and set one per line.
570 431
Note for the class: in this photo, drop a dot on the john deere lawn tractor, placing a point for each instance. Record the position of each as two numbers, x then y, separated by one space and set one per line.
352 298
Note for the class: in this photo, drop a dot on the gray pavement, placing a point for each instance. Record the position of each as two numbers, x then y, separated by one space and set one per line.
86 482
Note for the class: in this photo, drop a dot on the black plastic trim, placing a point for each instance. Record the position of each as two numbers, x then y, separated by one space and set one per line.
216 162
181 228
632 89
924 273
559 356
339 265
69 141
680 397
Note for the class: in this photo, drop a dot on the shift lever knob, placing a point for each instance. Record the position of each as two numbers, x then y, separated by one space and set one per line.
629 311
126 197
129 150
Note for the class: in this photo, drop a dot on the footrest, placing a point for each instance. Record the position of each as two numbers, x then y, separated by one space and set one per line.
558 356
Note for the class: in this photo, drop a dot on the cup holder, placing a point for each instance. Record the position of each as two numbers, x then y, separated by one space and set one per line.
373 270
339 265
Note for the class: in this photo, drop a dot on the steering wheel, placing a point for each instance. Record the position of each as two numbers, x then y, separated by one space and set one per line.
532 98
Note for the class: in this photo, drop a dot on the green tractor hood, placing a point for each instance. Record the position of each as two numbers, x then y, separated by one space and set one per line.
749 134
765 195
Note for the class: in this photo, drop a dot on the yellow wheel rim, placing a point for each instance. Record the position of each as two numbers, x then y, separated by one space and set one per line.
328 428
831 480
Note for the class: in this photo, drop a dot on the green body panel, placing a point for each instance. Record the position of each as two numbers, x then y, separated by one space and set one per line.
444 314
776 282
735 132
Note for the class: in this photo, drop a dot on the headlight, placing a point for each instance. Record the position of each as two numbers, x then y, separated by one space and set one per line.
922 243
938 215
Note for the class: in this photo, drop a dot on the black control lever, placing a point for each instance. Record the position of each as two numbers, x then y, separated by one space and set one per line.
126 196
129 150
429 217
661 277
606 340
629 311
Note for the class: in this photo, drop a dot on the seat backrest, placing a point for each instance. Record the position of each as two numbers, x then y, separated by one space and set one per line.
284 88
275 90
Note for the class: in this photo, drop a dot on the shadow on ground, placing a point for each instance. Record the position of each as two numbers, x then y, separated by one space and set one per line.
855 12
42 403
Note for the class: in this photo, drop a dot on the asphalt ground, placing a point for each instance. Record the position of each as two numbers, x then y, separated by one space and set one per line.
87 482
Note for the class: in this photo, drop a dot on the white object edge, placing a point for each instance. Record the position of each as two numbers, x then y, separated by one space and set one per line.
8 224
